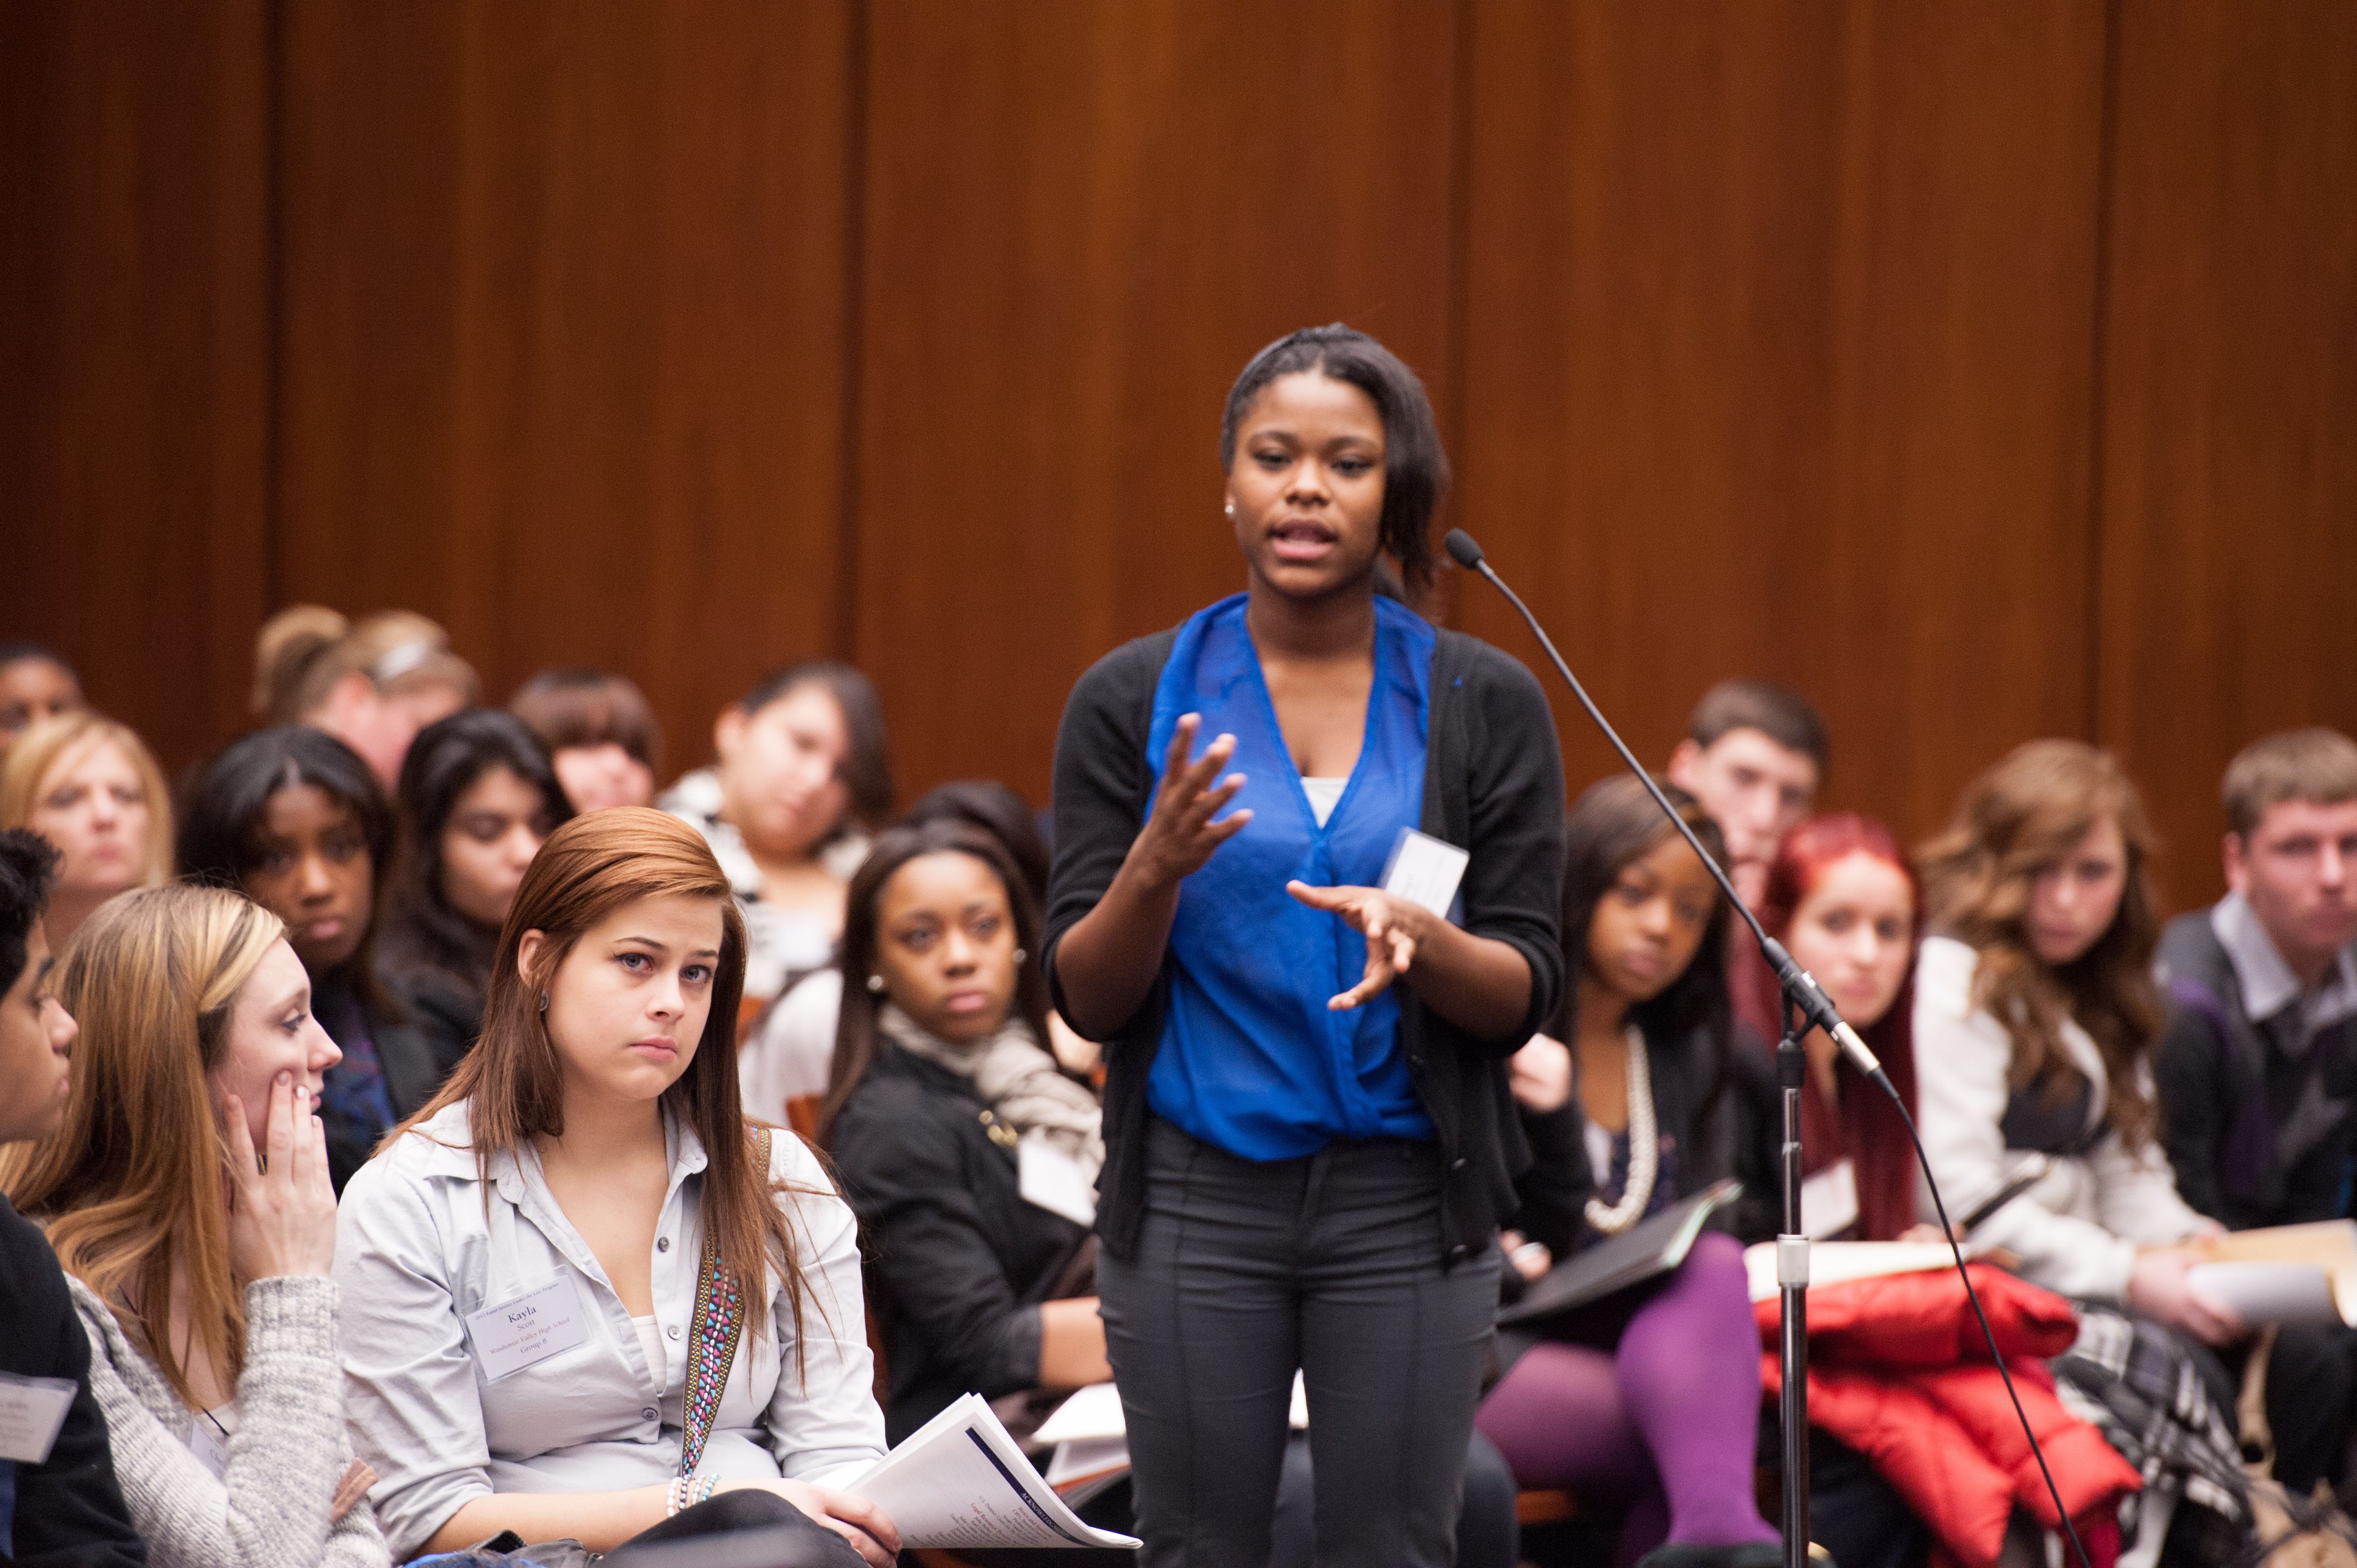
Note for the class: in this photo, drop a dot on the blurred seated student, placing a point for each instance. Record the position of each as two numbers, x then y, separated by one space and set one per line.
972 1157
2257 1066
1754 755
802 777
593 1139
187 1195
1841 896
1655 1397
35 684
478 798
292 818
372 684
790 1056
62 1509
2035 1019
600 732
91 787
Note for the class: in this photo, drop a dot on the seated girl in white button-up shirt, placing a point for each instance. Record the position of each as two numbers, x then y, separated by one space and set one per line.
520 1264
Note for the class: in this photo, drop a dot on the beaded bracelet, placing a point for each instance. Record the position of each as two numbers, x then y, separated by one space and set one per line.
684 1492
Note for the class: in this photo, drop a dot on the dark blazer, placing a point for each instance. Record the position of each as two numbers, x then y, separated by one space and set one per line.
2254 1136
68 1509
1494 784
1702 1138
413 1056
957 1262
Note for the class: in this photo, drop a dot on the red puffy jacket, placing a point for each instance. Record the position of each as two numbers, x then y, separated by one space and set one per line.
1898 1371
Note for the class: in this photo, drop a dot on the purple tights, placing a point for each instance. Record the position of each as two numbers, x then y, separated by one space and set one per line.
1673 1412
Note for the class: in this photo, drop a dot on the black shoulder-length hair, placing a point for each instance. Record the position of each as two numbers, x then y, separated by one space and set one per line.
854 1025
446 759
222 815
1415 469
867 768
1614 823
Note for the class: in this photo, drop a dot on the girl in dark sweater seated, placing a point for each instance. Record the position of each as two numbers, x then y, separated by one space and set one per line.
292 818
971 1159
1655 1395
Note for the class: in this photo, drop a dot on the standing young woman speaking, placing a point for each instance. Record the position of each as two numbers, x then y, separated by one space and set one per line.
1309 1133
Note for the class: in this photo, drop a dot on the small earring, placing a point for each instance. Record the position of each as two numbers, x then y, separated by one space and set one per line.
875 984
1020 955
1231 508
544 1001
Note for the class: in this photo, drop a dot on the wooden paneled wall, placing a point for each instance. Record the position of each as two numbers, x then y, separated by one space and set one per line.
1988 371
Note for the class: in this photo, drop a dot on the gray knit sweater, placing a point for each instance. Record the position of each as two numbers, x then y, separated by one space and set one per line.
284 1459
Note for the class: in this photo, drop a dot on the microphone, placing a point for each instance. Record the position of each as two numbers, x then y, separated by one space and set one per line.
1800 989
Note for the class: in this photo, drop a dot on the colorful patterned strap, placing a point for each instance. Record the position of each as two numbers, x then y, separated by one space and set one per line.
719 1325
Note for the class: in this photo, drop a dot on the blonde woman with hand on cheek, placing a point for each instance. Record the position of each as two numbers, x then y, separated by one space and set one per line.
698 1362
187 1196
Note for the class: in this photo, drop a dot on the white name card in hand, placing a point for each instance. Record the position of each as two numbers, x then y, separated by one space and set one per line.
1425 871
527 1330
32 1410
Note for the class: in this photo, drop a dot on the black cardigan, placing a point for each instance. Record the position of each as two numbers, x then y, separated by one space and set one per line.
957 1263
1492 784
68 1509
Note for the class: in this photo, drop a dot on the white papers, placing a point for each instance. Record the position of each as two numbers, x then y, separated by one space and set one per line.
1091 1413
1832 1262
1051 1179
960 1481
528 1328
1425 871
2266 1293
1829 1200
32 1410
1090 1435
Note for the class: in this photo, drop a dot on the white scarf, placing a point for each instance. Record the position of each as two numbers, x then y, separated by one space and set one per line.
1016 1078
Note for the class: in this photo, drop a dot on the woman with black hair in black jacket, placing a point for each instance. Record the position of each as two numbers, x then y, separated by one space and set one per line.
1308 1131
479 796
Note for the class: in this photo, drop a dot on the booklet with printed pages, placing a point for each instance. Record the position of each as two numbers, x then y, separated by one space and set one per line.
960 1481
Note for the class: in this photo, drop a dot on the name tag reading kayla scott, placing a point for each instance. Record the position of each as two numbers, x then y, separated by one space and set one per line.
527 1330
31 1412
1425 870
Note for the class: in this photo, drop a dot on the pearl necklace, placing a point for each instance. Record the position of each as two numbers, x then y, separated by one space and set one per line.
1644 1146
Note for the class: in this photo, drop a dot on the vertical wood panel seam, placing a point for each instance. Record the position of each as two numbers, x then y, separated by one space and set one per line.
2107 179
273 308
854 340
1460 317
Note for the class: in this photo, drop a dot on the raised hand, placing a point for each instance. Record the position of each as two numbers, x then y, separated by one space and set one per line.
1393 927
282 1217
1181 834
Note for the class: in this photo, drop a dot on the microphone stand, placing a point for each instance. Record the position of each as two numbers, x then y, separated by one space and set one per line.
1792 1288
1805 1006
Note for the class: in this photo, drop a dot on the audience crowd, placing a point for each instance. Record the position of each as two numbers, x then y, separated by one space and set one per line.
401 1011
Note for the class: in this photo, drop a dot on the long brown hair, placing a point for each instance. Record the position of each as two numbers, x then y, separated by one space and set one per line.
137 1173
512 1082
855 1025
2023 815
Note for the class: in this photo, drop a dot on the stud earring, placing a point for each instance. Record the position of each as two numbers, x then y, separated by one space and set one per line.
875 984
544 1001
1231 508
1020 955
